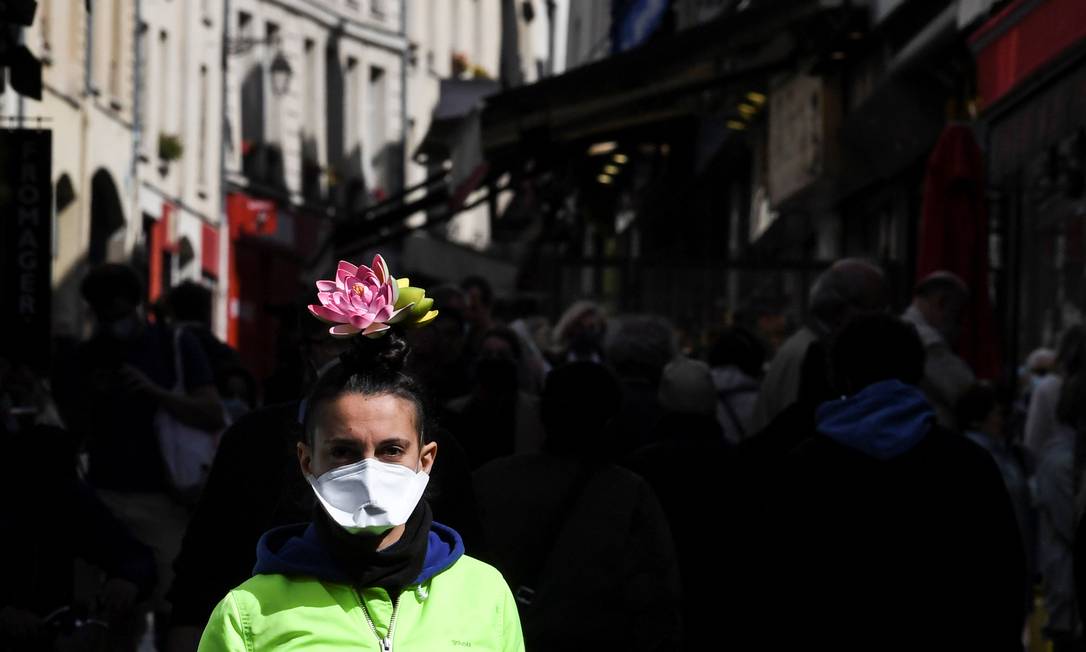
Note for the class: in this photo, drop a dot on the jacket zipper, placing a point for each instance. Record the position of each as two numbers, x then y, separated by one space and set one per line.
386 642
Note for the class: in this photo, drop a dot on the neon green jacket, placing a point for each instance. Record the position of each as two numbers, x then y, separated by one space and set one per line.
457 603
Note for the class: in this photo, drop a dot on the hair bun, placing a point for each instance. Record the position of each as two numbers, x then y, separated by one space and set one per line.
386 354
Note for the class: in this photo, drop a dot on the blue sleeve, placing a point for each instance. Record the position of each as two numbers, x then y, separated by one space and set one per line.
196 368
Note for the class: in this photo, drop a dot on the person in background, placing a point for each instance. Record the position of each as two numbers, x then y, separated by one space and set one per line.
1039 364
689 430
497 418
736 359
533 364
1058 482
1042 422
637 350
687 397
189 307
579 334
371 562
238 391
117 382
937 309
798 372
438 355
25 398
983 422
60 520
880 529
478 310
584 544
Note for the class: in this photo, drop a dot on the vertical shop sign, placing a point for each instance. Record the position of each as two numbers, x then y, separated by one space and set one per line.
26 253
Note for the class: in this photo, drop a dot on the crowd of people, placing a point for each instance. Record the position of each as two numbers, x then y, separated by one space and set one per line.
857 487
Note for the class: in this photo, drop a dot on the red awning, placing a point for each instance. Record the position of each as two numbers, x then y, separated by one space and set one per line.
1021 39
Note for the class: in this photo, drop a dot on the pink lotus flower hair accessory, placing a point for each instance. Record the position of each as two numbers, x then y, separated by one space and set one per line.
368 300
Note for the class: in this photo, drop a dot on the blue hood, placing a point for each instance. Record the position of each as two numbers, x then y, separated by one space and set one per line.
883 421
297 550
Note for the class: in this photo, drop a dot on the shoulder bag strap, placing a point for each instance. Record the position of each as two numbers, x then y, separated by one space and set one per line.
178 368
725 397
539 554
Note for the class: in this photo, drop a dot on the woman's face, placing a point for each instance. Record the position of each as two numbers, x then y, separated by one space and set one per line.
353 427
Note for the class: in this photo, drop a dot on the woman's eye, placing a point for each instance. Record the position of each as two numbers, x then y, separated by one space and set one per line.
394 451
341 451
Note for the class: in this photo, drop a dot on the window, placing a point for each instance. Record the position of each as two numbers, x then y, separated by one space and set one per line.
311 103
245 25
142 111
275 104
457 43
350 121
271 34
431 37
116 51
375 118
312 91
377 8
201 137
163 90
477 31
45 20
76 31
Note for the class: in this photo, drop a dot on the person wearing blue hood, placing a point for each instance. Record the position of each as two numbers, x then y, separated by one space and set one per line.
890 532
372 570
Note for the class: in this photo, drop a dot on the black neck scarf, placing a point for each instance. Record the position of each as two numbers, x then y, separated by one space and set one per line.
356 554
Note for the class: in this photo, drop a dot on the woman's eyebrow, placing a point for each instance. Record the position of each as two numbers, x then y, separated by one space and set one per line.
395 441
342 441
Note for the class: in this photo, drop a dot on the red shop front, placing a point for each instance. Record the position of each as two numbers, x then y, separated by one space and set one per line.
267 247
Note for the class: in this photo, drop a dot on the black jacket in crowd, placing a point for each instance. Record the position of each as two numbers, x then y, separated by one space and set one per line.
832 548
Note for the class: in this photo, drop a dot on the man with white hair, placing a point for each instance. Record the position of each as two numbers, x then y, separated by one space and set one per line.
937 309
849 287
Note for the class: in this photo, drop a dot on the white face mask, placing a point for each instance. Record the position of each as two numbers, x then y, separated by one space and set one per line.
369 496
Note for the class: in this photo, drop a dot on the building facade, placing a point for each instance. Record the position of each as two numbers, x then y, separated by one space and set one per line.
215 140
178 130
449 39
88 102
314 135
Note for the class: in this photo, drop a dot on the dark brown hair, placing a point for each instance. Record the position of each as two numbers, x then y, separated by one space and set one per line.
371 367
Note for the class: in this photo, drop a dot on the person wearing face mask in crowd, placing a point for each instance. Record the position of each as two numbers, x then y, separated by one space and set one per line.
579 334
371 570
937 309
254 486
110 392
497 418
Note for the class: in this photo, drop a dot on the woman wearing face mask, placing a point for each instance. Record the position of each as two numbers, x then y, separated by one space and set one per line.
372 570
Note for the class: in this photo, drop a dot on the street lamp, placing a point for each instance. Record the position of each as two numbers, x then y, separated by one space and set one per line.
281 74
